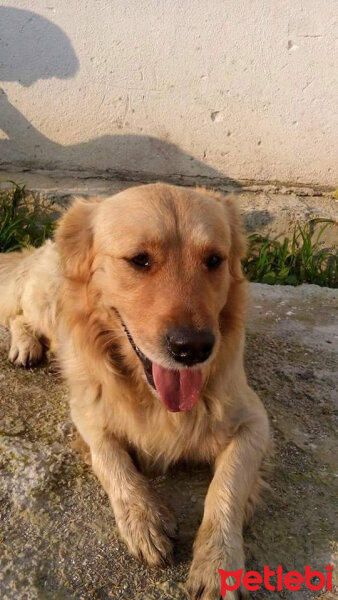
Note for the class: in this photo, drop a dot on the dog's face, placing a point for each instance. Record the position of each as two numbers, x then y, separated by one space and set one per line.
162 258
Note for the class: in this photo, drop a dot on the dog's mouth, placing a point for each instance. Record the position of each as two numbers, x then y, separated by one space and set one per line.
146 362
179 390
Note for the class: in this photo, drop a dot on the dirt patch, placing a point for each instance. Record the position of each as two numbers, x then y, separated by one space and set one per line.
58 536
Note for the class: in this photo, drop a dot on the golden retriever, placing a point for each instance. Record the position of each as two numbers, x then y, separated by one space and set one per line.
143 299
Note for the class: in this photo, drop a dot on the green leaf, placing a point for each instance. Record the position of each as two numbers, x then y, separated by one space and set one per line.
269 278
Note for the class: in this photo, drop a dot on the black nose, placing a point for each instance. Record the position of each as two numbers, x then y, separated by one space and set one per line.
190 346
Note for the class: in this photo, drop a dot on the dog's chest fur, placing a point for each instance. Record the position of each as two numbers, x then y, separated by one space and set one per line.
163 437
128 409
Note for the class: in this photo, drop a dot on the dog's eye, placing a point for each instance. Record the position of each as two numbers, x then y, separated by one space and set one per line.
142 260
213 262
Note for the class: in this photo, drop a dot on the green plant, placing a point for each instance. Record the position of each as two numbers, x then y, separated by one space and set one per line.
289 262
293 261
21 225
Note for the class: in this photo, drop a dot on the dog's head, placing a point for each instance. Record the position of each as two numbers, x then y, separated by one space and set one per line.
159 261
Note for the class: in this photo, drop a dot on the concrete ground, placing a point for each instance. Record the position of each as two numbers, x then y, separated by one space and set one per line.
58 536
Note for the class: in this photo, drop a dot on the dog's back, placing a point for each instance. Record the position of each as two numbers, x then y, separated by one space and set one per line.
11 283
29 287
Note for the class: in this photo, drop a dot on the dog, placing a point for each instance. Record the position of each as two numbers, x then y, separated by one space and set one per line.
142 297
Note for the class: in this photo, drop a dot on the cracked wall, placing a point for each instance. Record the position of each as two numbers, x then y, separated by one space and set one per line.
229 90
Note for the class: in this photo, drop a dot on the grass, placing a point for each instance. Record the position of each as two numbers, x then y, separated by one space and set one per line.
20 224
295 260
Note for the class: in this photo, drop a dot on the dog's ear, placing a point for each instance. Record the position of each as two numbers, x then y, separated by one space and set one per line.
74 238
238 239
233 315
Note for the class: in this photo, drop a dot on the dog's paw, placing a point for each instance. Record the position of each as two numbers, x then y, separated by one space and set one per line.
204 582
211 554
148 528
26 351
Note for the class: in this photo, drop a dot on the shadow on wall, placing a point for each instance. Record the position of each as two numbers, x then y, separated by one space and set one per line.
33 48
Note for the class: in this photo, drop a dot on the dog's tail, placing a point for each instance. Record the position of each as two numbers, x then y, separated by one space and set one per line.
12 275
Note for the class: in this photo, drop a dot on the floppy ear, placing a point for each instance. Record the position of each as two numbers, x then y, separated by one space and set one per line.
233 315
74 239
238 237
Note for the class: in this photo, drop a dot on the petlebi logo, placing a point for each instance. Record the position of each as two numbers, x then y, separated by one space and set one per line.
276 580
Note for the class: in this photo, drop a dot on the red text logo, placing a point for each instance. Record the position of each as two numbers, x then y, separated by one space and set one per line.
293 580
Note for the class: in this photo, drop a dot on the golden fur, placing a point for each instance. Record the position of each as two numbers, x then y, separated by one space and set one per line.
69 292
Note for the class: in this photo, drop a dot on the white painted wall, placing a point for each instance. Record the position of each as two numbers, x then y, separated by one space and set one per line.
245 89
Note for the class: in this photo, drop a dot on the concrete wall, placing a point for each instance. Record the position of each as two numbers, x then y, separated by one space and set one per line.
239 89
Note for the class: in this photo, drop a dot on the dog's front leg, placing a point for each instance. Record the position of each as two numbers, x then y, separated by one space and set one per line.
219 543
144 522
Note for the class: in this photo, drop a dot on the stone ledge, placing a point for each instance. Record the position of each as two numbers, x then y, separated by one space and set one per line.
269 210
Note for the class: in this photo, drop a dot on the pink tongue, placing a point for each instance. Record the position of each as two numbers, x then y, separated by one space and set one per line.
179 390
